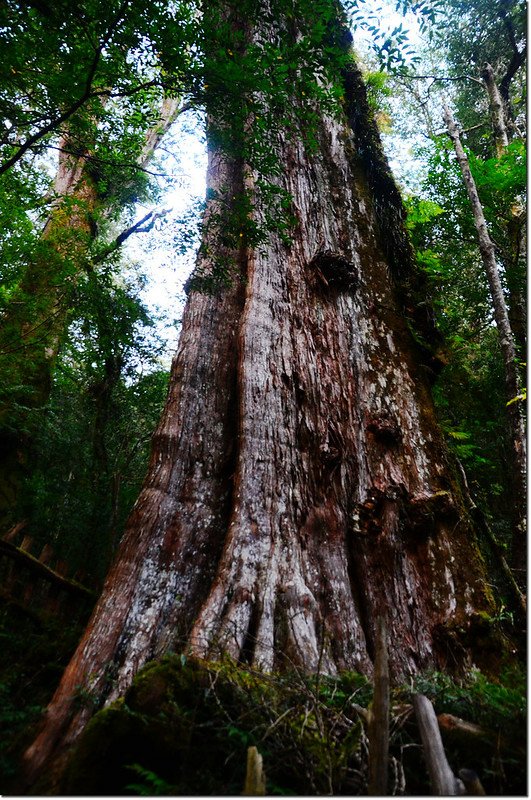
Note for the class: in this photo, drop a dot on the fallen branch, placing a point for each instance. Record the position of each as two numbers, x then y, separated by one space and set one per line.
25 559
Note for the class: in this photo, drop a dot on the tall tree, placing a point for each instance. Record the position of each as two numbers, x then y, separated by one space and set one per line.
106 120
507 345
298 487
35 320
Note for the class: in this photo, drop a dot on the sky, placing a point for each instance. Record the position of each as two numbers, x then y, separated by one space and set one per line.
157 254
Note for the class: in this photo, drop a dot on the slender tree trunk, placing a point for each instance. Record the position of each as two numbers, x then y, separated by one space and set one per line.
516 228
512 385
497 110
33 326
298 487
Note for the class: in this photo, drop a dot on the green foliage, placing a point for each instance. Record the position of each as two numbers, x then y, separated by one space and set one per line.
504 177
68 63
152 785
90 453
185 725
392 47
420 211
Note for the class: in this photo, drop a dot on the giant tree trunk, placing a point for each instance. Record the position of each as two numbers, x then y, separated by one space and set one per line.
34 325
298 487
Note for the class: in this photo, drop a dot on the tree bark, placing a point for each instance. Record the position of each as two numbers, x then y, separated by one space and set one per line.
298 487
34 325
512 384
516 263
497 110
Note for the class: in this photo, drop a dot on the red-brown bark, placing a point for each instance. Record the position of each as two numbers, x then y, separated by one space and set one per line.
298 487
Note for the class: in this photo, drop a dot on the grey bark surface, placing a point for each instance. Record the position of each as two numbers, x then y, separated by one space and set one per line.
299 487
497 110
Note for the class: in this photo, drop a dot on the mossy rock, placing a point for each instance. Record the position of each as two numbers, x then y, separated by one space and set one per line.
165 724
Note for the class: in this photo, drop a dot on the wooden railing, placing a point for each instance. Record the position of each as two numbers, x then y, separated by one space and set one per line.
40 583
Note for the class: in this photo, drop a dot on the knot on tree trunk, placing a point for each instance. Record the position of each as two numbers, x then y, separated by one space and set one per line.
425 512
329 269
385 428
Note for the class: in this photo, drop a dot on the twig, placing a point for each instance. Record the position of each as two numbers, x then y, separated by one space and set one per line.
152 216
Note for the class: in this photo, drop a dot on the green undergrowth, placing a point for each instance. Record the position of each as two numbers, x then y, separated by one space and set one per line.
185 725
34 653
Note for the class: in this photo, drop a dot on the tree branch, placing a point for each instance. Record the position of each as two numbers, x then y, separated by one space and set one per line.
443 78
150 217
517 61
87 93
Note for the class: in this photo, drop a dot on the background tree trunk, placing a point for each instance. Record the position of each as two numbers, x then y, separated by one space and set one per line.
516 265
34 324
298 487
507 346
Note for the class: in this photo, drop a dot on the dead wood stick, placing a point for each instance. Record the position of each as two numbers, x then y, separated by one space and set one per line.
379 717
469 730
442 779
254 778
